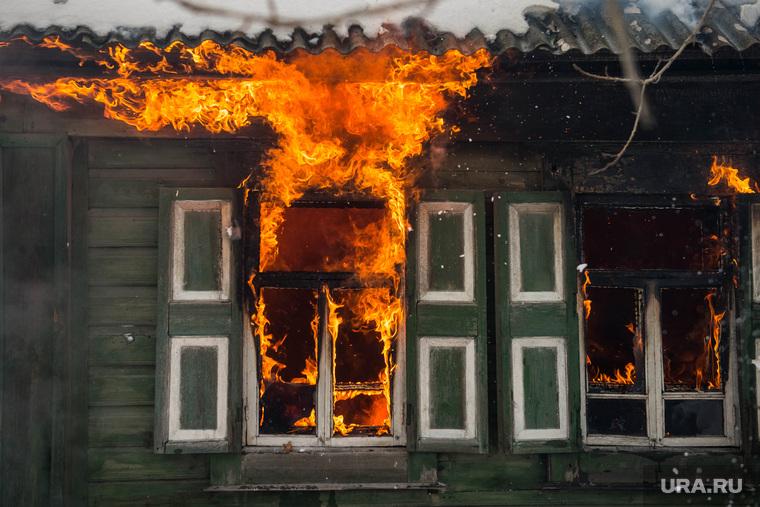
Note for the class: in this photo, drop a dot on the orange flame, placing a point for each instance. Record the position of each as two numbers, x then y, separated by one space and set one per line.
630 370
346 124
586 301
721 172
715 340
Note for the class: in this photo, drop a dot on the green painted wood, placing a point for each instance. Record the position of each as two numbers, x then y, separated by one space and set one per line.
447 388
123 194
422 467
198 380
193 319
530 319
460 321
450 319
77 435
519 320
122 388
151 153
202 176
120 427
123 270
446 251
211 318
540 388
187 493
460 472
29 371
123 231
109 464
203 250
537 251
121 310
122 345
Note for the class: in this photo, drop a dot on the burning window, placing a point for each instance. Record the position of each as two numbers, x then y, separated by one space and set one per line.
326 336
655 294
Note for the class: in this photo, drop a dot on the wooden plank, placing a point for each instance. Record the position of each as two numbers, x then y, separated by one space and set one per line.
120 427
190 319
537 252
123 270
123 193
203 176
122 387
107 464
184 492
123 232
125 345
447 388
28 325
124 310
76 463
202 250
325 468
504 181
619 469
540 388
463 473
545 319
446 252
117 153
199 377
449 320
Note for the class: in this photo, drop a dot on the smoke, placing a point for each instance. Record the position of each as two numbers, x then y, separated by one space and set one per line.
687 11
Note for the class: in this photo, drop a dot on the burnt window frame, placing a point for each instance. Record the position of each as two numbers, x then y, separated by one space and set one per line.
322 282
651 282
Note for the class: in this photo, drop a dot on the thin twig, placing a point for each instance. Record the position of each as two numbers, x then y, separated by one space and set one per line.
653 78
275 20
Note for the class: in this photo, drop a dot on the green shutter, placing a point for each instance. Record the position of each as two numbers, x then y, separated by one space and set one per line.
446 328
537 323
748 305
198 365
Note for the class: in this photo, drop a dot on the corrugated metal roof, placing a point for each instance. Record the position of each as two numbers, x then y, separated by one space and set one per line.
587 31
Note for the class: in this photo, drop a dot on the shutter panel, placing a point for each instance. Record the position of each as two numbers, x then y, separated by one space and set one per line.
198 360
537 323
447 324
750 304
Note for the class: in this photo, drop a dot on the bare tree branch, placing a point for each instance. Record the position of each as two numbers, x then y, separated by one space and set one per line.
273 18
633 81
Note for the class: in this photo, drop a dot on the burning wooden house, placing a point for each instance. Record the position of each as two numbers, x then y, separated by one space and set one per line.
375 267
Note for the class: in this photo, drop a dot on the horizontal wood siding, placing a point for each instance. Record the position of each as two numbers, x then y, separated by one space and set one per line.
124 177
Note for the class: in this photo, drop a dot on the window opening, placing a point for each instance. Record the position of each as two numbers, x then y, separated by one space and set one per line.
655 295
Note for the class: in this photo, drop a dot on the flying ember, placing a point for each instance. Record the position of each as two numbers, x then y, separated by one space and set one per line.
348 127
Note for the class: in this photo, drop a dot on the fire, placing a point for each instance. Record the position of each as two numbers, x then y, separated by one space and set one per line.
347 125
586 301
714 354
630 370
721 172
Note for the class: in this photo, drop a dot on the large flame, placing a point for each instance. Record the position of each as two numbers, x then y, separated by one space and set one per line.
347 125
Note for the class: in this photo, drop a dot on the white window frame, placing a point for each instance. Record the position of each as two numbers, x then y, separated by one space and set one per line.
559 344
423 268
323 411
426 344
655 394
517 293
176 344
179 209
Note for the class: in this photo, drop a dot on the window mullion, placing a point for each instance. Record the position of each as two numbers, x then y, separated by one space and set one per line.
324 380
655 414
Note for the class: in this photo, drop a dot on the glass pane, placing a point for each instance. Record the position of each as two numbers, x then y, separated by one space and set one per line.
616 417
614 344
320 239
692 353
651 239
690 418
361 361
287 325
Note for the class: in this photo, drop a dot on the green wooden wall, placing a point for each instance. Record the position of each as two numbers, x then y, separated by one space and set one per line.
88 439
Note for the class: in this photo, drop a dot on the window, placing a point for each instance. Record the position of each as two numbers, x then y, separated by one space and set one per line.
656 297
322 356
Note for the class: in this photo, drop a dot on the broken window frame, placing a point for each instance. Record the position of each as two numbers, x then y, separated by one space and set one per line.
652 282
323 282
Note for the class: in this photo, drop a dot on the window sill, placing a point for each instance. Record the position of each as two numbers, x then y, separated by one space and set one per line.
436 487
